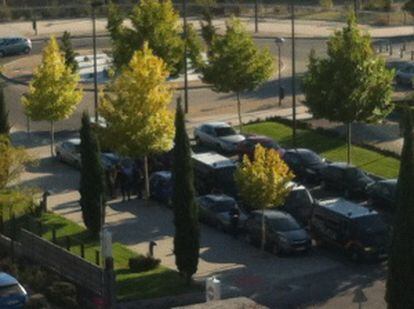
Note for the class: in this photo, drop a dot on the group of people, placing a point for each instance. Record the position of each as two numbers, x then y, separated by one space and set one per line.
126 177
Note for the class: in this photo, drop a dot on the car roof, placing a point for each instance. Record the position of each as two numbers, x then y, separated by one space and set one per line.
258 138
75 141
273 214
6 279
217 124
213 159
341 165
346 208
219 197
299 150
163 174
392 181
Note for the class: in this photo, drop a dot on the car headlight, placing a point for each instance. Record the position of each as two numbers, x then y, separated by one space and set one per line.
369 249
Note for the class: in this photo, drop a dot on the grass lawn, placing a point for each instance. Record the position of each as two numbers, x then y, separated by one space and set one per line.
333 149
159 282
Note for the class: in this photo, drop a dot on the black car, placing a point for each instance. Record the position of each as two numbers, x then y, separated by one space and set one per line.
299 203
161 186
345 178
283 233
216 210
305 164
358 230
382 193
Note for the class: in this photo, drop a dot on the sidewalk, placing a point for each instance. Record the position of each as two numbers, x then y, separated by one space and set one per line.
267 28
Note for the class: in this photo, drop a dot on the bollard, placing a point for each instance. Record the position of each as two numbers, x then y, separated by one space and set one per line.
97 258
401 53
54 235
152 244
82 250
67 243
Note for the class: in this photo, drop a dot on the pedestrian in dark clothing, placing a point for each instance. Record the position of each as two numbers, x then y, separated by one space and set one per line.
126 180
139 180
234 214
111 181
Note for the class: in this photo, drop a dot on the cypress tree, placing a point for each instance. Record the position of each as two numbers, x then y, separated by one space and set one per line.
186 238
92 178
4 114
400 282
69 53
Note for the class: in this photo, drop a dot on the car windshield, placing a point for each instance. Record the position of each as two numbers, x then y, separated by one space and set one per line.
10 290
270 144
310 158
356 173
371 224
225 131
284 224
222 206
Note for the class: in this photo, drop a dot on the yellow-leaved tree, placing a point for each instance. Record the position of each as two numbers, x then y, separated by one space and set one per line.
263 182
136 109
13 161
53 92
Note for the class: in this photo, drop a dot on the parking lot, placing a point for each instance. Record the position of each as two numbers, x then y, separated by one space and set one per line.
298 280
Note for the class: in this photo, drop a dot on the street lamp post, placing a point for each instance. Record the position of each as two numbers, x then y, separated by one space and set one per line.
279 41
293 76
94 5
185 57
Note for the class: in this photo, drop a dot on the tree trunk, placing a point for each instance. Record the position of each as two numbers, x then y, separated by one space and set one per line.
239 111
262 245
348 142
52 138
147 187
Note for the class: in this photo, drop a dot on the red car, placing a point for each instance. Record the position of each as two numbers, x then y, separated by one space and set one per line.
247 146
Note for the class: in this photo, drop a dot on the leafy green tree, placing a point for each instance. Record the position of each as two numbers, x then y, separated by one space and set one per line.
155 22
69 53
92 181
13 161
409 7
53 93
136 110
326 4
194 48
351 84
186 238
235 64
263 182
4 114
208 31
400 280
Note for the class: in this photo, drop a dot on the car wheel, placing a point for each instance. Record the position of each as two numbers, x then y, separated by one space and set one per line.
26 50
198 141
59 156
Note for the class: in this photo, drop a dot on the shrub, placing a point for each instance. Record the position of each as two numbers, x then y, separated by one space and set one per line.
63 294
143 263
326 4
5 13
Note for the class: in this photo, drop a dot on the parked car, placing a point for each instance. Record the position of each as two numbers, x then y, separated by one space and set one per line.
69 152
14 45
351 181
219 135
161 187
382 193
299 203
305 164
215 210
358 230
12 293
405 74
214 172
248 146
283 233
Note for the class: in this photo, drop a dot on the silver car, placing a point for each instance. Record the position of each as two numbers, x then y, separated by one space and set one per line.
69 152
15 45
219 135
405 74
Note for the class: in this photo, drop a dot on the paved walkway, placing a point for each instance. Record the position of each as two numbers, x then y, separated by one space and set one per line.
267 27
